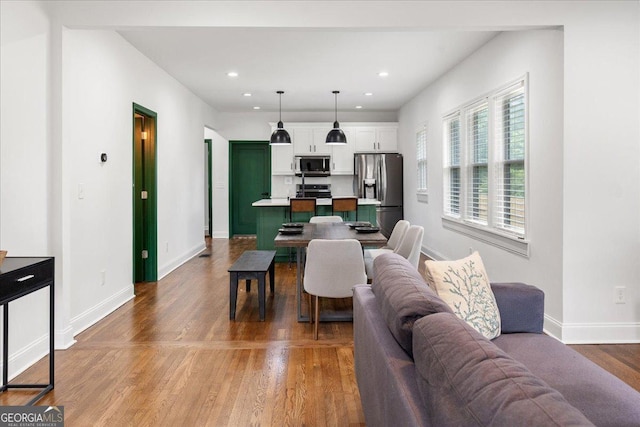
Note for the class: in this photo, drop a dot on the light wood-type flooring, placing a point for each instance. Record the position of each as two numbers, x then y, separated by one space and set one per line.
172 357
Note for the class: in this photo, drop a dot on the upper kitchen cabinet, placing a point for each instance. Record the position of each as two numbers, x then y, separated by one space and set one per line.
342 155
282 162
310 140
382 139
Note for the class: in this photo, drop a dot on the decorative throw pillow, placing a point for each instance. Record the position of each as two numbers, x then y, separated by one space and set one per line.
464 285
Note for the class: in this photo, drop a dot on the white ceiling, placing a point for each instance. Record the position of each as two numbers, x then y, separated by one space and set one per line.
306 63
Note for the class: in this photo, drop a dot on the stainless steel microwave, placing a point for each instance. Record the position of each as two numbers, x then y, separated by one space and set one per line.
313 165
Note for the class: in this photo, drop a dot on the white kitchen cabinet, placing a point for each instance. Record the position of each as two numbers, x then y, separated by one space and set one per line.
342 155
282 160
382 139
310 140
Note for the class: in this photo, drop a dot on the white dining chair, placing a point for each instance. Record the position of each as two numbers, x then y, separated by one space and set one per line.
395 238
411 244
408 248
325 218
332 269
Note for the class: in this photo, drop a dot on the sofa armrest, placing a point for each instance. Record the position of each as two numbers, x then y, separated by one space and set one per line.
521 307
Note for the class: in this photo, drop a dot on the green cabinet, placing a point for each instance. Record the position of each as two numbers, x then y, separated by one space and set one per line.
271 218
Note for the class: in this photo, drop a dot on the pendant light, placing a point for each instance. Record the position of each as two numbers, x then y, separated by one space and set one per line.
336 136
280 136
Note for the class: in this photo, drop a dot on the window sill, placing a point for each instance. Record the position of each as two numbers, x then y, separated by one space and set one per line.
422 197
508 243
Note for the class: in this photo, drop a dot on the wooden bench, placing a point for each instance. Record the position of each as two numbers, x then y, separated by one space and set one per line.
251 265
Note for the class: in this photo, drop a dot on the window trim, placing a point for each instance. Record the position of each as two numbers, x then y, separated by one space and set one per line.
422 194
491 233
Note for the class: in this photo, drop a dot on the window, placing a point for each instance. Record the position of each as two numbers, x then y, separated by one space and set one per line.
484 167
478 148
421 157
452 166
509 213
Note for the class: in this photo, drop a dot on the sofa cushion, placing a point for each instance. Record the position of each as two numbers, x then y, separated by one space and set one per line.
464 285
403 296
603 398
466 380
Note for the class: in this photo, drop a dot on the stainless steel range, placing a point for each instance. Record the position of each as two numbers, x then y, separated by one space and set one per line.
319 191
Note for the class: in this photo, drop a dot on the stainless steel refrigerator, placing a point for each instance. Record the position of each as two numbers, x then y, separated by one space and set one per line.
379 176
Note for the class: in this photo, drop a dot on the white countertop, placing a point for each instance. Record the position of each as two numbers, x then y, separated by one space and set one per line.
320 202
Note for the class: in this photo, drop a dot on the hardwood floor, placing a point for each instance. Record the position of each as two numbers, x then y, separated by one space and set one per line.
172 357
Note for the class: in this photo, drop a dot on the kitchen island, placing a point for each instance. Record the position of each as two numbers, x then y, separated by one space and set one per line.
272 213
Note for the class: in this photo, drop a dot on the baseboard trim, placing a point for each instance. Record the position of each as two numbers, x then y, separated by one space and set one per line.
99 311
177 262
220 235
601 333
21 360
434 255
64 338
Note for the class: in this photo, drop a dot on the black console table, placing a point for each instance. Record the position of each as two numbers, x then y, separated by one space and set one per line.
20 276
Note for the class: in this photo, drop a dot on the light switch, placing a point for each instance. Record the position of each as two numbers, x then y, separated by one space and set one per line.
80 191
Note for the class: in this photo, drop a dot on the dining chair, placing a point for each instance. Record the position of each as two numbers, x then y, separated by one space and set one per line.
411 245
408 248
325 218
332 269
395 238
302 204
344 205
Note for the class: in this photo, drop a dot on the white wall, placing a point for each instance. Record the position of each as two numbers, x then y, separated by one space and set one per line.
505 58
24 167
220 183
103 75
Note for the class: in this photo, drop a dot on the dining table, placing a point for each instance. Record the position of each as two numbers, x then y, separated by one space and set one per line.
330 230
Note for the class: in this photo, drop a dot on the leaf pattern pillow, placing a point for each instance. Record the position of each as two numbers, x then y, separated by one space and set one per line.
464 285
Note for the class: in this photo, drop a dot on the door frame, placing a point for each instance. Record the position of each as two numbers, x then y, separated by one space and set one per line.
231 188
149 215
208 143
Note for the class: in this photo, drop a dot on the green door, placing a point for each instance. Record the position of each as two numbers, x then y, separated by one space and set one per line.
145 235
250 180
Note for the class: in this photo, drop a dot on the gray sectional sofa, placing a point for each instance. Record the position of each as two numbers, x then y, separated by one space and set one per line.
417 364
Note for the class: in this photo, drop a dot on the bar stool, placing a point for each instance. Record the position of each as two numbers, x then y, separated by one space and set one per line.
302 204
344 204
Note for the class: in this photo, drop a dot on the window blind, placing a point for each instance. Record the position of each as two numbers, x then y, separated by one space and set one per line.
421 155
510 130
477 203
452 181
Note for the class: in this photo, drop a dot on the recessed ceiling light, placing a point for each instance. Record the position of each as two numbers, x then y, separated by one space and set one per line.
383 74
256 108
232 74
368 94
358 107
246 94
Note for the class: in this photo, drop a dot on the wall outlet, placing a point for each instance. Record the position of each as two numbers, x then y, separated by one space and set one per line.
620 296
103 277
288 180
